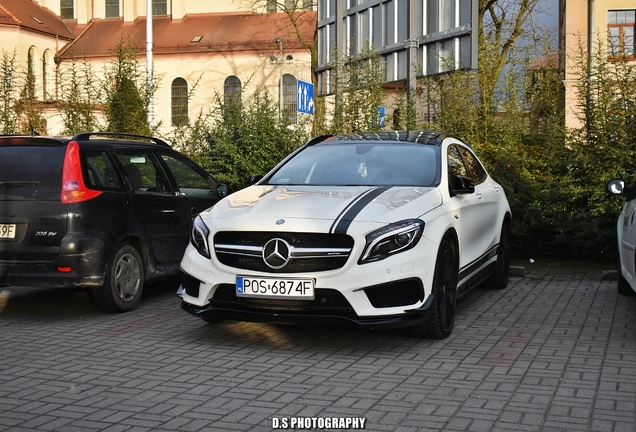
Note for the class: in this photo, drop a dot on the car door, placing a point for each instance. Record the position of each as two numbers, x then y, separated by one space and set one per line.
475 217
153 197
628 241
489 194
195 188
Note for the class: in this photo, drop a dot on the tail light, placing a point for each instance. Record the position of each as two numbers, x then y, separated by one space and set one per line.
73 188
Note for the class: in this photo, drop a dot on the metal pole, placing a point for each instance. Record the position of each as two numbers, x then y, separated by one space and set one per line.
149 72
280 83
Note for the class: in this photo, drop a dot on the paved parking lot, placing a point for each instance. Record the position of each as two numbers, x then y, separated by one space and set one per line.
555 352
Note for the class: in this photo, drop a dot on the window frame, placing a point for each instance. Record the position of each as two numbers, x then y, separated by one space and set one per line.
617 52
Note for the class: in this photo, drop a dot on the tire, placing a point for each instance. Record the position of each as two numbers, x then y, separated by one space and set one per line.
442 319
124 281
501 276
623 286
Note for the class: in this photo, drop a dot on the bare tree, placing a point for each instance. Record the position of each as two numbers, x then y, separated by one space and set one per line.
502 23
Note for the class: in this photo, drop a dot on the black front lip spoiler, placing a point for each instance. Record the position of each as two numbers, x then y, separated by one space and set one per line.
212 313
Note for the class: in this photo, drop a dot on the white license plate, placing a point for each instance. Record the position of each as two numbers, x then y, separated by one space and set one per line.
278 288
7 231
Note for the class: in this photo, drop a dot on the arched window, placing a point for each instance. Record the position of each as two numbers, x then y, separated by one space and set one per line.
180 102
31 83
290 102
47 75
232 90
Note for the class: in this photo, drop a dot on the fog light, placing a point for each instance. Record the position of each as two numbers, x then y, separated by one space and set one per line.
65 269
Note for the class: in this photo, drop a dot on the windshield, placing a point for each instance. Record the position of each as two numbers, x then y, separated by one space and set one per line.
395 164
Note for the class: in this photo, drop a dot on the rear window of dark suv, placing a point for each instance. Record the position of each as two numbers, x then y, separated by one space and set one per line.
31 172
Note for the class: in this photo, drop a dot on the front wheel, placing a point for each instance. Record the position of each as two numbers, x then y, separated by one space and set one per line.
444 292
124 281
623 286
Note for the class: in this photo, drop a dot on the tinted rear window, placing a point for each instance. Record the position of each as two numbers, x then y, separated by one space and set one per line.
31 172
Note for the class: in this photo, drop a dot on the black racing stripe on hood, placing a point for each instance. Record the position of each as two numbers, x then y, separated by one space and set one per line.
344 219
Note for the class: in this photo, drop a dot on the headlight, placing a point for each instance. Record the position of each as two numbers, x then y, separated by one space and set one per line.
392 239
199 237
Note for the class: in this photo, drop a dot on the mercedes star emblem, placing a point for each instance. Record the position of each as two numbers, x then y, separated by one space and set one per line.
276 253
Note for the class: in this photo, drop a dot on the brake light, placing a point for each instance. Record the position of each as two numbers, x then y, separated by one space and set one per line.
73 188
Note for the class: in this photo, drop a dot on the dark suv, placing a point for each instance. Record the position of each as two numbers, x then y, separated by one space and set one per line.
107 211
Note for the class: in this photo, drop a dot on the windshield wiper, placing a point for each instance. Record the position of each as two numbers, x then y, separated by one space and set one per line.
15 184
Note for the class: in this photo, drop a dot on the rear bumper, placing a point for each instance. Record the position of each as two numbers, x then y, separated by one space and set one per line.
80 262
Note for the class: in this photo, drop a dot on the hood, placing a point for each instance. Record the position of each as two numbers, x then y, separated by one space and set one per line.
328 203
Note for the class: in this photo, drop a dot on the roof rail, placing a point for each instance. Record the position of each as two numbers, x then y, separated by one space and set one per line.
85 136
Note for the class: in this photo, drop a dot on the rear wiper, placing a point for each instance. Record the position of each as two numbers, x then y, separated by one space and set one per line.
14 184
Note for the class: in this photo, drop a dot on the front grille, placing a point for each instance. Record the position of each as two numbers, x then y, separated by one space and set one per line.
310 252
326 300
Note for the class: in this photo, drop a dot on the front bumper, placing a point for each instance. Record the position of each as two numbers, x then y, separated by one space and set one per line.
300 316
329 307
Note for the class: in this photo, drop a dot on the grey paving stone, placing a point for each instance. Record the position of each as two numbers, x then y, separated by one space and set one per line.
550 353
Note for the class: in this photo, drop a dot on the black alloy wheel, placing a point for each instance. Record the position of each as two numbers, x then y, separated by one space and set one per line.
501 276
444 291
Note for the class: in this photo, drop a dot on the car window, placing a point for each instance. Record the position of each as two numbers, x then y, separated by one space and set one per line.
190 181
143 172
98 170
360 164
455 164
31 172
475 170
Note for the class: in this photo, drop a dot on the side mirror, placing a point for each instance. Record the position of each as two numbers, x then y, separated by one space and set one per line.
462 185
222 191
256 178
615 186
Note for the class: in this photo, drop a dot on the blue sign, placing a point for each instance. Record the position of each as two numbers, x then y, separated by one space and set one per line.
381 116
305 97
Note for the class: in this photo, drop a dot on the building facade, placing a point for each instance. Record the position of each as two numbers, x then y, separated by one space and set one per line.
224 47
592 27
414 37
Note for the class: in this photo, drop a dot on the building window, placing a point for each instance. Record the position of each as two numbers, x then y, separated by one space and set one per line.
180 102
30 85
271 6
46 66
290 102
308 4
112 8
620 25
232 90
66 9
159 7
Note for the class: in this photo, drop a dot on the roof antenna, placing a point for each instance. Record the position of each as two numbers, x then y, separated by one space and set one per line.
33 132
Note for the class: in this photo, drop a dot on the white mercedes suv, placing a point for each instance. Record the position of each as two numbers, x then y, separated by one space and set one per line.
377 230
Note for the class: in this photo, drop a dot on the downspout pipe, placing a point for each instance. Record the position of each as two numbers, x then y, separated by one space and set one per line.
149 71
590 59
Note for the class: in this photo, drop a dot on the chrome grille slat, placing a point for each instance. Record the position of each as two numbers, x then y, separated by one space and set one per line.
307 251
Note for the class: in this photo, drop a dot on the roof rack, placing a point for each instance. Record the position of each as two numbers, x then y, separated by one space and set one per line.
85 136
